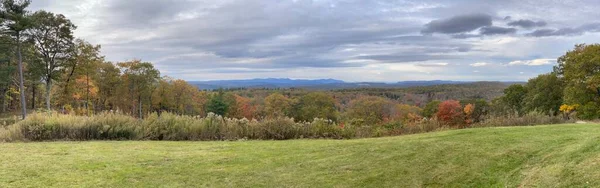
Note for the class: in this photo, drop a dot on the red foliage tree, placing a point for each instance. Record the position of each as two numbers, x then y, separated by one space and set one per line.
451 113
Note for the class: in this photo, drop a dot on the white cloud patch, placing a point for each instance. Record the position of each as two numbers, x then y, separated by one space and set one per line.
431 64
534 62
479 64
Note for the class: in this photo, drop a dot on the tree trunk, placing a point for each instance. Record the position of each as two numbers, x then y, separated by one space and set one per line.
140 105
21 83
87 92
33 96
48 88
3 100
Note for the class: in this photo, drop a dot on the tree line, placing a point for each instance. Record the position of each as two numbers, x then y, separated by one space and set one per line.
572 89
43 64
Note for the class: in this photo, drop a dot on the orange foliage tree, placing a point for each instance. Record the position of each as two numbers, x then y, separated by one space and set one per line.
469 109
243 108
451 113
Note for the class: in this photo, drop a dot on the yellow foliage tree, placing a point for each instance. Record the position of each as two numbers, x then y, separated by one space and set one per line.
469 109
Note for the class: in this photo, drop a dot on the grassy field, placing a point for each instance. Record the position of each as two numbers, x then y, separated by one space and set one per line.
541 156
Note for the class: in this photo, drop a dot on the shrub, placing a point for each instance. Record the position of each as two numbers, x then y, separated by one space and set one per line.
532 118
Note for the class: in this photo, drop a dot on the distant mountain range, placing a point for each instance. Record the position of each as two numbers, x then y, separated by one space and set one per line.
314 84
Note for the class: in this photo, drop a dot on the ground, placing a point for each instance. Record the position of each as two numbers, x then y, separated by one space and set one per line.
540 156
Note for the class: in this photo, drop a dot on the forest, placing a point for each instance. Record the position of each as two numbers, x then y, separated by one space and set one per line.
61 81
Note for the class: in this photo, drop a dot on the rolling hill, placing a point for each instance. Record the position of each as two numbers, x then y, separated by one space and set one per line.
314 84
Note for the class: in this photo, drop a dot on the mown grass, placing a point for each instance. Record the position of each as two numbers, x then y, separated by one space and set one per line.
538 156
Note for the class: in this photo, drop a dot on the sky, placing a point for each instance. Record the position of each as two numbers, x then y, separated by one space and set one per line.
351 40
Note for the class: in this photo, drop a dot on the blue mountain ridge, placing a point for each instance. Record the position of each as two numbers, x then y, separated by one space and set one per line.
314 84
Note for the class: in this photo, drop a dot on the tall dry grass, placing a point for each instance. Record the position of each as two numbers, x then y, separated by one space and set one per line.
167 126
529 119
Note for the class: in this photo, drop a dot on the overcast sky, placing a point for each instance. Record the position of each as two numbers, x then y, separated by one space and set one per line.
352 40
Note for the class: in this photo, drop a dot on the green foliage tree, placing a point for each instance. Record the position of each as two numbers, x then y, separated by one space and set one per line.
6 69
232 105
277 105
513 98
544 94
217 104
370 109
589 111
14 20
431 108
580 70
139 79
108 82
315 105
33 73
52 36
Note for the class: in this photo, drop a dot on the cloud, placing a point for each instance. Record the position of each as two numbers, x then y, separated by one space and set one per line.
222 39
494 30
458 24
465 36
398 58
432 64
567 31
555 32
527 23
534 62
479 64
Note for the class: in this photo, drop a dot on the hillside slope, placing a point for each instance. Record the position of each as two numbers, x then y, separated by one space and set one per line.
544 156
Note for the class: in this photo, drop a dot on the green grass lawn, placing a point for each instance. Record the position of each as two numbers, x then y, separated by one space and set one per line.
541 156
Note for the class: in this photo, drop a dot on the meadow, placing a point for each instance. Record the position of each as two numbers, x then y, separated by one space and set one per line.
566 155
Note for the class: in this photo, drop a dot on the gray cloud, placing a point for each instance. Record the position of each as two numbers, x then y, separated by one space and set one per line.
553 32
527 23
356 39
458 24
402 58
494 30
431 64
486 31
592 27
465 36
